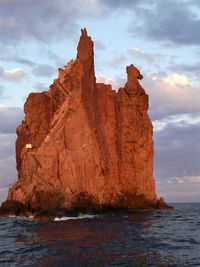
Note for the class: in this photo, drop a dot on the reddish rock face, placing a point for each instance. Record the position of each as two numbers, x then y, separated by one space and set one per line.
90 144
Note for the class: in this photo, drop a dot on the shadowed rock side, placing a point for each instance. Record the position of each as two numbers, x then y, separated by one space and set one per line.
92 147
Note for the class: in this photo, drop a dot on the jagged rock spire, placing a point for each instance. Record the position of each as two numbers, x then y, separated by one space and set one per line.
85 49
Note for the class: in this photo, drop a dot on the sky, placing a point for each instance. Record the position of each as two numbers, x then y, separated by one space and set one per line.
161 38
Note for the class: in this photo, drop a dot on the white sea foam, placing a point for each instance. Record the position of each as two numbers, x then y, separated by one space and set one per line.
80 216
22 218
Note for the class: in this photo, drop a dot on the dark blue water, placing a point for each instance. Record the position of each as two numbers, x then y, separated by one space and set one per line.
159 238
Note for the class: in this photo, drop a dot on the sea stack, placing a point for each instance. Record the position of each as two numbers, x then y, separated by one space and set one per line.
84 145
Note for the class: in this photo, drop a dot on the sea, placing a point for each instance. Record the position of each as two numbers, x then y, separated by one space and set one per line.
143 238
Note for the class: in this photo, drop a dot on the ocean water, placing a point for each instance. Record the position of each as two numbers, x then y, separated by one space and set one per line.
158 238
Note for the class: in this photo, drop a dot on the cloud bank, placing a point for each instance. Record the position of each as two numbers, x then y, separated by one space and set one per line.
9 120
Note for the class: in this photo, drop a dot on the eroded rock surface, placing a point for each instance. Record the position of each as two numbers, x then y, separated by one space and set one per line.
91 145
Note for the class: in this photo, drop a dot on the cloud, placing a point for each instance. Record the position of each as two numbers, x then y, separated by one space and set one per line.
12 75
33 19
16 59
177 150
41 87
2 88
43 20
146 56
113 4
52 56
44 70
180 189
116 61
3 194
176 162
170 21
1 72
192 69
7 145
10 118
8 54
171 94
7 160
180 180
176 79
116 83
181 120
99 45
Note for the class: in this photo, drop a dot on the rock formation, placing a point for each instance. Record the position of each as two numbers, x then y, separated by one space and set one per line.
82 144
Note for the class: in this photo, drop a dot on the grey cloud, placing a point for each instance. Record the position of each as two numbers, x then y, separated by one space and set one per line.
38 19
191 69
3 193
10 118
146 56
44 70
51 55
176 163
116 82
10 54
121 3
116 60
40 87
180 189
7 159
43 20
177 151
12 75
170 21
16 59
99 45
1 72
2 88
166 99
7 145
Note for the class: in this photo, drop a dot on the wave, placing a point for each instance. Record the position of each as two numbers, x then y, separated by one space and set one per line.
80 216
12 216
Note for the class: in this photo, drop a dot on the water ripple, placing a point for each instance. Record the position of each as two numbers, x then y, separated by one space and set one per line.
159 238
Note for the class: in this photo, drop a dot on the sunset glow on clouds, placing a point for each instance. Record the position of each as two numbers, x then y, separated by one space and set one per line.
160 37
13 74
176 80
